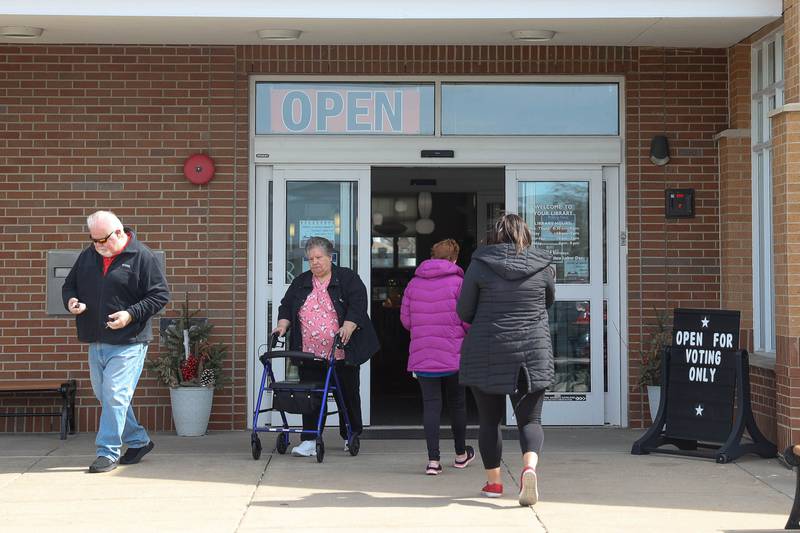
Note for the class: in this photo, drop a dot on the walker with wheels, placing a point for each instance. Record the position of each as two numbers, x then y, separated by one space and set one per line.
299 398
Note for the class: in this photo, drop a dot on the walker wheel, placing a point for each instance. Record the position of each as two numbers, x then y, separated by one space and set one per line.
320 450
282 443
255 446
354 445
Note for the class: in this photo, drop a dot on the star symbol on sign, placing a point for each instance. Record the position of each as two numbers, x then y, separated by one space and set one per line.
704 321
698 410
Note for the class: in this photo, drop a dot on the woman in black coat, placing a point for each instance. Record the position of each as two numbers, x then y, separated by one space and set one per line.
506 292
323 302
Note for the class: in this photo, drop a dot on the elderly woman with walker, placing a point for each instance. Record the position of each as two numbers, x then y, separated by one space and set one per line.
321 303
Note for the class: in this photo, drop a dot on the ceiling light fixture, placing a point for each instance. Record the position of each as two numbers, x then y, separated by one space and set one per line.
535 36
279 35
425 225
21 32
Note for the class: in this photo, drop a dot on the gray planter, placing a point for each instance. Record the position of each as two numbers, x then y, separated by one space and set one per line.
191 409
654 399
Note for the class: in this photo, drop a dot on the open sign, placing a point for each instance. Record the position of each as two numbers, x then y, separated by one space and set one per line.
348 109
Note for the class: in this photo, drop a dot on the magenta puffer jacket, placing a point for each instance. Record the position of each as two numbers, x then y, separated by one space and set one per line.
429 313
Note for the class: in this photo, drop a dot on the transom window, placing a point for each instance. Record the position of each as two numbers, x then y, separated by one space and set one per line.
464 108
530 109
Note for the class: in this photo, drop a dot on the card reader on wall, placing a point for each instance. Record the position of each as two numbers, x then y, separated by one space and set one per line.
679 203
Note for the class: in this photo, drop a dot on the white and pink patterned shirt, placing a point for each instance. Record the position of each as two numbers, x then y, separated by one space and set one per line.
319 321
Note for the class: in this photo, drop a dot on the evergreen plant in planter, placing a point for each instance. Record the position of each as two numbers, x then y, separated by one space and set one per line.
192 368
660 336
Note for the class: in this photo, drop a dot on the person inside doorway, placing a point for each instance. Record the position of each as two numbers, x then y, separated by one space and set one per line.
428 311
508 287
321 303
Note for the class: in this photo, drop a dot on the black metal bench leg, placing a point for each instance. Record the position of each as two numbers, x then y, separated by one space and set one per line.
72 422
64 412
794 514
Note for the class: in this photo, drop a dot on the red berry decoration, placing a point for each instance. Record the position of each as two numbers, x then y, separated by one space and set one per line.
189 368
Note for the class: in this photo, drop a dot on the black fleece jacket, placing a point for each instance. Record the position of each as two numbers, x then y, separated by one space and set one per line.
134 283
349 298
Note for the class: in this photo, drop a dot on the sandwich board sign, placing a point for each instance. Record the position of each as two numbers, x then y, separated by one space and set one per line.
705 391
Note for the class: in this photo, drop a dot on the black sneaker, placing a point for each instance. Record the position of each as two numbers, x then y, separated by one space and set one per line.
102 464
134 455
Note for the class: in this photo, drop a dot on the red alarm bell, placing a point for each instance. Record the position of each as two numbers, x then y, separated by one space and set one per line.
199 169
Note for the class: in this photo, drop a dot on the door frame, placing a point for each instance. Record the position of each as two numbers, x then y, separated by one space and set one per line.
593 412
278 176
616 399
391 150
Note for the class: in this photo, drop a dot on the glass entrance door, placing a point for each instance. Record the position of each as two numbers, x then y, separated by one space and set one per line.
331 202
564 211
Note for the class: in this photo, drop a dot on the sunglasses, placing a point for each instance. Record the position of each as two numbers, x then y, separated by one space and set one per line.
104 239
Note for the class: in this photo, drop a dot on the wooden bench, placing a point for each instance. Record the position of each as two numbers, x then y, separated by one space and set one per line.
65 389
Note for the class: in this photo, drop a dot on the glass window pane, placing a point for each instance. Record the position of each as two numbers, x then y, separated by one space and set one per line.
558 215
760 125
766 120
762 281
605 346
269 238
569 331
407 252
320 209
771 63
344 109
382 252
759 70
605 235
530 109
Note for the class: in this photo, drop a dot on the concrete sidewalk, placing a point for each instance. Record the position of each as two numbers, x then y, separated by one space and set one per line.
588 482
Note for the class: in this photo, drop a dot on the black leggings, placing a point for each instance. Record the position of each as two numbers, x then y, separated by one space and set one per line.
492 407
350 380
432 410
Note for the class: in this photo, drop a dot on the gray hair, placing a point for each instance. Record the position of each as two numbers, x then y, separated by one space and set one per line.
320 242
97 216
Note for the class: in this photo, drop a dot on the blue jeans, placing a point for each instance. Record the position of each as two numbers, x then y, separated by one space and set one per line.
114 370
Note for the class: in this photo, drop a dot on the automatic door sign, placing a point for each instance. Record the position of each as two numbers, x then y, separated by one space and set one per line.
702 374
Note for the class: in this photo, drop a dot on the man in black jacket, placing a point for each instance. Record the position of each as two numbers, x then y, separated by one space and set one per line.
113 289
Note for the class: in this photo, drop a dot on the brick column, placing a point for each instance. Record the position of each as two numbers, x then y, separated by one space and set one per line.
735 192
736 246
786 236
786 257
791 54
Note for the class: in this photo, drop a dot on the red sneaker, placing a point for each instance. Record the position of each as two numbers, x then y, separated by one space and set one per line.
528 487
492 490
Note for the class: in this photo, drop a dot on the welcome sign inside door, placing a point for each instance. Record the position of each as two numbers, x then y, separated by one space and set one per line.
315 109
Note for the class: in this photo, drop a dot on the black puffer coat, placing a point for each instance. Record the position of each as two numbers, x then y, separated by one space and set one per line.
505 297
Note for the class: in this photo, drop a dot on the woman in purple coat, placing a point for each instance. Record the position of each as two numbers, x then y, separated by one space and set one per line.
429 313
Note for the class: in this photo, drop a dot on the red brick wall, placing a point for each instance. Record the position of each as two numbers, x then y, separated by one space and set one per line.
672 263
763 400
88 127
109 126
786 240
